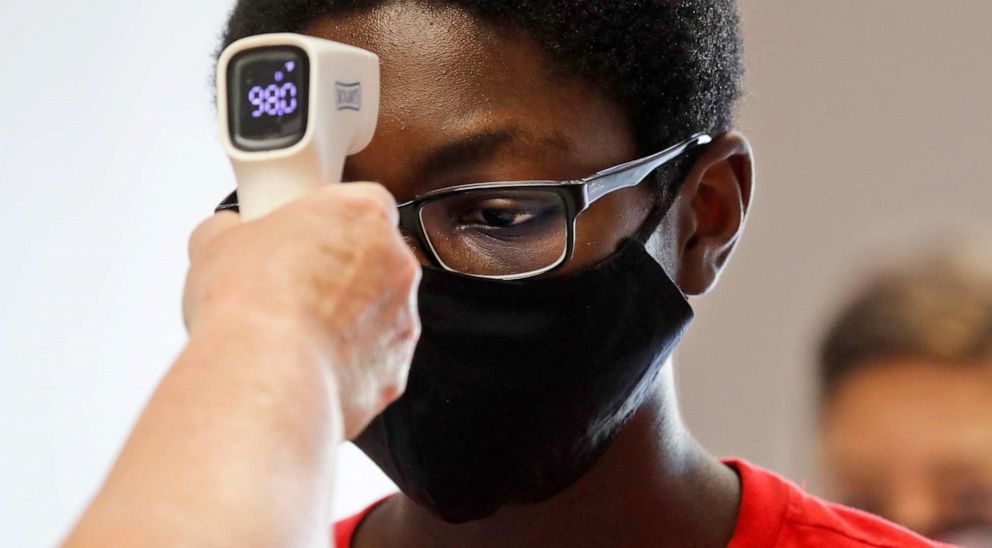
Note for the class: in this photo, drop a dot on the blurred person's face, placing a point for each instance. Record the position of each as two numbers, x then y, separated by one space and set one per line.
912 441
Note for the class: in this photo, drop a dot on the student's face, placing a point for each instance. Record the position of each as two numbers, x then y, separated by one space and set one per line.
464 103
912 441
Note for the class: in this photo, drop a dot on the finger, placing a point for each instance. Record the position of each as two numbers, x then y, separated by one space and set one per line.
378 193
210 228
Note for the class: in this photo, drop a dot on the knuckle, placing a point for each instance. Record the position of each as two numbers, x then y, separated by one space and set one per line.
396 386
391 392
201 228
198 237
410 332
408 263
367 206
407 271
386 244
415 326
385 203
406 324
359 204
378 192
208 230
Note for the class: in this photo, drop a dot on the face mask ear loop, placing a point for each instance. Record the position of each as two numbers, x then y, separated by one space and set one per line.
658 212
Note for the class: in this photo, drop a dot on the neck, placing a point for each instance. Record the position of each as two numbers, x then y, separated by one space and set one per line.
654 487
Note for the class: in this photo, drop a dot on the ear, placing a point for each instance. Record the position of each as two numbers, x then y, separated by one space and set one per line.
711 211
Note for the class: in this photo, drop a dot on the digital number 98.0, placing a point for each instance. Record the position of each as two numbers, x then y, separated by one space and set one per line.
274 100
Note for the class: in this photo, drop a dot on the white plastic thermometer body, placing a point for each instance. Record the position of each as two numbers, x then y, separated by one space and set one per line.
292 108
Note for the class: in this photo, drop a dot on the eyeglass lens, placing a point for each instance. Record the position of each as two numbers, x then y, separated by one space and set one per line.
499 232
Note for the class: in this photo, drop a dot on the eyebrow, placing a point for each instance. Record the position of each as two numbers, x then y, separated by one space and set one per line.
467 152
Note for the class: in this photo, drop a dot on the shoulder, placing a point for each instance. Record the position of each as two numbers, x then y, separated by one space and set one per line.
344 530
775 512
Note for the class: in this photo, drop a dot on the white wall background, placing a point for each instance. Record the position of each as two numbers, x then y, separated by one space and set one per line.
869 118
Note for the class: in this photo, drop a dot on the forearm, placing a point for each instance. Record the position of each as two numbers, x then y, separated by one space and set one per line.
235 448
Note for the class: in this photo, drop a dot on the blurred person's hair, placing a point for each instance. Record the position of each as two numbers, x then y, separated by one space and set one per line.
935 307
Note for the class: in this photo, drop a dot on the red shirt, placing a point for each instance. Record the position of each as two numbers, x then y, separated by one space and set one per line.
774 513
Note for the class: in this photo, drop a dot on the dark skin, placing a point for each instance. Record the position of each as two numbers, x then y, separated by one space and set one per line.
464 102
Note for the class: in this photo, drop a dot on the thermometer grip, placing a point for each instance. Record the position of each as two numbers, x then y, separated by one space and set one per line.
269 185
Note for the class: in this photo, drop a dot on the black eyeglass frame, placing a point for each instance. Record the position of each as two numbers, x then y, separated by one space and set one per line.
576 195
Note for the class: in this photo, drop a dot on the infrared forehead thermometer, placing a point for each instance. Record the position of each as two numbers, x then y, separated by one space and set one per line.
291 108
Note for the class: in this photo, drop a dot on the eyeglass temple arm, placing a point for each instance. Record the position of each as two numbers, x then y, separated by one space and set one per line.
597 185
633 172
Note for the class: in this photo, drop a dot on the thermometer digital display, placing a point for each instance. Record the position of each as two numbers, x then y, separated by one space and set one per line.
268 97
292 108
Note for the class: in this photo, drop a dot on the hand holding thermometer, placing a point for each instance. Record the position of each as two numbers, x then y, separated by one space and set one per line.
292 107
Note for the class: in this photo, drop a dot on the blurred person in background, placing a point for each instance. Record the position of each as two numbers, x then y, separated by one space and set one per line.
906 402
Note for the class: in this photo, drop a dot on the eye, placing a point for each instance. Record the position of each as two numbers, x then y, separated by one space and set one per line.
499 217
505 214
486 216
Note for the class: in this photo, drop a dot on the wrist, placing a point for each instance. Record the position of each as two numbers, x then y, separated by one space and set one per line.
231 312
279 356
246 416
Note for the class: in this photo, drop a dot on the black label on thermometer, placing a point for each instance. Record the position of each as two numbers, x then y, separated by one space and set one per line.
267 97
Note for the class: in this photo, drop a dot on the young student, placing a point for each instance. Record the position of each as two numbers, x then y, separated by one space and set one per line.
518 395
906 408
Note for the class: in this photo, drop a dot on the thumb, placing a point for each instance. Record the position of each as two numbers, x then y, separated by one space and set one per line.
210 228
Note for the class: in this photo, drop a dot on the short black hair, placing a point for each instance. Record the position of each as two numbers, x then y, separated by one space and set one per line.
674 66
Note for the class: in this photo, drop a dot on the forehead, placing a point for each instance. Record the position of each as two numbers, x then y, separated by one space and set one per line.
447 76
424 46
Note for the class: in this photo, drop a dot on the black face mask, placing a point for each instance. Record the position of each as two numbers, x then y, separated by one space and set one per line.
517 388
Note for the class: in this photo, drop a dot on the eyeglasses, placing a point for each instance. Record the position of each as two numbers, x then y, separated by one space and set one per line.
513 230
